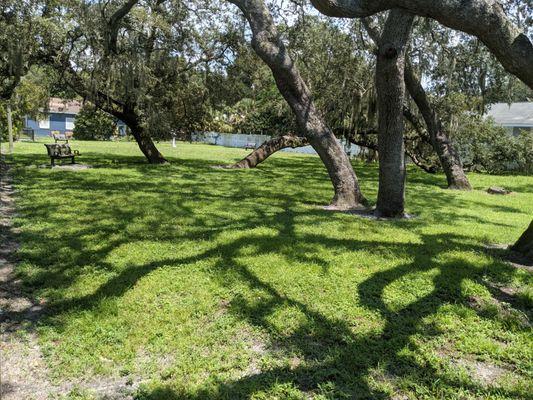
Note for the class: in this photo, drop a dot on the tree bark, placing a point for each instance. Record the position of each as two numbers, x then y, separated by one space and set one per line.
147 146
271 49
484 19
390 88
438 138
9 127
145 142
524 245
441 143
267 149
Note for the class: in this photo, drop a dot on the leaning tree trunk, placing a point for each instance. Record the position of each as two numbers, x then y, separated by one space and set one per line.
268 148
111 106
147 146
144 141
524 245
441 143
390 87
271 49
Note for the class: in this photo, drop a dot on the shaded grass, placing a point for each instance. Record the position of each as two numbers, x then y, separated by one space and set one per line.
208 283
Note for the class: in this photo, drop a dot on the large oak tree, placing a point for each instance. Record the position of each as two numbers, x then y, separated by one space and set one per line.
269 46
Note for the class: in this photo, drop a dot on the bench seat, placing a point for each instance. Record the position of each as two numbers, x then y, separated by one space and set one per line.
60 151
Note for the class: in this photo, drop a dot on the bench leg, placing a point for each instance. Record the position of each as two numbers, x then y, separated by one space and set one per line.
72 160
52 162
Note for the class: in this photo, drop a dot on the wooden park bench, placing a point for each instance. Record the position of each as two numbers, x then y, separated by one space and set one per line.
62 137
59 151
249 146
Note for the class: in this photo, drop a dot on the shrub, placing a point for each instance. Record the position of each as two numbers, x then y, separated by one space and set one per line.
16 120
93 124
484 146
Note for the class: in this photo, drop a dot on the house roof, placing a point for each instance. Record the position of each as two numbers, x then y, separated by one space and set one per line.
62 106
514 114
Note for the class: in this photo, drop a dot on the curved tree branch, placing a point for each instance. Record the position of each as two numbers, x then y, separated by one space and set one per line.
268 148
448 156
113 25
484 19
269 46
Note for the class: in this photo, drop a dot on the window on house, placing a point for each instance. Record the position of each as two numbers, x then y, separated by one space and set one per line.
45 122
69 124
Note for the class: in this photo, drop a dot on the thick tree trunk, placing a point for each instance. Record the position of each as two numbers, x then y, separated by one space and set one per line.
448 156
390 87
271 49
147 146
484 19
268 148
524 244
144 141
438 138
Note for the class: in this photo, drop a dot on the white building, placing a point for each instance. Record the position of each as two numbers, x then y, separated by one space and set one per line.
514 117
241 140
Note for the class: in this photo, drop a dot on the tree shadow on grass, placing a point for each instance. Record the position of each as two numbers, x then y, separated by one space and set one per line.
332 356
331 353
198 182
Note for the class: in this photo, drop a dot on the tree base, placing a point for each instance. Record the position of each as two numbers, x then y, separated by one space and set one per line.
464 186
524 260
524 245
378 214
158 162
346 201
369 213
344 207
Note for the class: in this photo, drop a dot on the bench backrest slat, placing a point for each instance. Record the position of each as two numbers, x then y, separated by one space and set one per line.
58 149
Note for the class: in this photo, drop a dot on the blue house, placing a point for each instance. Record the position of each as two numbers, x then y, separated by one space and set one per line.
59 117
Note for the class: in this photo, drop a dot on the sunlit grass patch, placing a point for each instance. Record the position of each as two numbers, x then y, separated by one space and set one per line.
202 283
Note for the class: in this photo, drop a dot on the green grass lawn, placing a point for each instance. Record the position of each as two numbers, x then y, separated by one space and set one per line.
205 283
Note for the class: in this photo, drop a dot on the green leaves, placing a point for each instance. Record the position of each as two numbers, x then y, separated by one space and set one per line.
93 124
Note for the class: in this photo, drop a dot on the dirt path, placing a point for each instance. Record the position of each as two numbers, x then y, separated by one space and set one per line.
23 372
